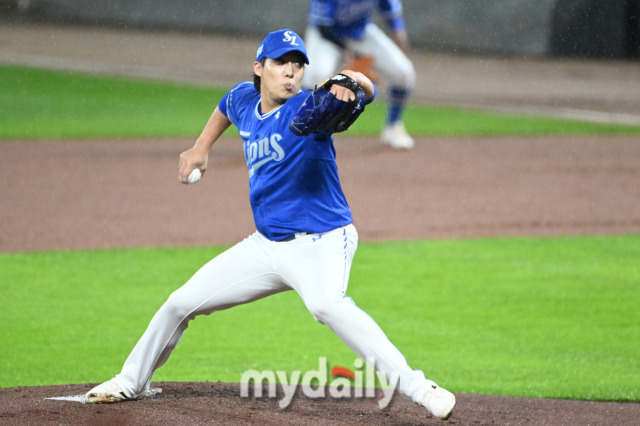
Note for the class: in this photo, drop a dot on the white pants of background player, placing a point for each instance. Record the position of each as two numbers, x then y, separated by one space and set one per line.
315 266
388 60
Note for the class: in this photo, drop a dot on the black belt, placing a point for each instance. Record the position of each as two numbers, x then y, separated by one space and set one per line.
292 237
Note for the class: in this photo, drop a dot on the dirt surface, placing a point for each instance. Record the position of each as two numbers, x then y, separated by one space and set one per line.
221 403
115 193
124 193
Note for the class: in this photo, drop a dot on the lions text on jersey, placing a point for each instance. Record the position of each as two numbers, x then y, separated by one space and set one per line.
293 180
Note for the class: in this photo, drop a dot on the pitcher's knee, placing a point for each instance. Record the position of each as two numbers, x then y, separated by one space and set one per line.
404 77
178 308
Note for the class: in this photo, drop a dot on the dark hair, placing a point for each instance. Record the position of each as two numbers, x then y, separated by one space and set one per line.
256 79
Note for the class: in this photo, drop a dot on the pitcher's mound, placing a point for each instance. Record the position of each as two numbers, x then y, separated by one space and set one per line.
221 403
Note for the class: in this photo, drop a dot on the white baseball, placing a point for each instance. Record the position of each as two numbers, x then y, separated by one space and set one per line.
195 176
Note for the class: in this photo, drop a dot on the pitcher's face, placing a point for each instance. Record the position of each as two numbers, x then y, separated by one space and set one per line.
280 79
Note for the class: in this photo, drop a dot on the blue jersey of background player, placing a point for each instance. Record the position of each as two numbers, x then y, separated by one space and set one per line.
343 19
342 30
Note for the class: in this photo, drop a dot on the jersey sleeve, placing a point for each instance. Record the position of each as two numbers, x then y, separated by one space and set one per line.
232 105
375 93
391 10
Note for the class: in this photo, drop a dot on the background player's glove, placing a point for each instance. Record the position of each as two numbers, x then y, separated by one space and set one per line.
322 112
363 64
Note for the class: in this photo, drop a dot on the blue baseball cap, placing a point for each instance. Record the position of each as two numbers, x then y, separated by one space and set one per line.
279 43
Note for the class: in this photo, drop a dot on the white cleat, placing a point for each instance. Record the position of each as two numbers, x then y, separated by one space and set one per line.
396 136
438 401
106 393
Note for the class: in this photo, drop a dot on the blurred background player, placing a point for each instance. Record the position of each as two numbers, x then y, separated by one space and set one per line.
343 30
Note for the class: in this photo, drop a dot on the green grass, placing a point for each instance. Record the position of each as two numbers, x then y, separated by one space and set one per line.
538 317
37 103
442 121
481 123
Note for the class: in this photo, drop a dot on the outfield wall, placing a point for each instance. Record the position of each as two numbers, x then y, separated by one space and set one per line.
590 28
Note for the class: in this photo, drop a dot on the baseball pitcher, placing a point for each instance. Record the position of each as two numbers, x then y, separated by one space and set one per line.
304 239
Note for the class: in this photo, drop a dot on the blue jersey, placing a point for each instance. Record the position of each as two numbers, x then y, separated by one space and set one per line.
348 18
293 180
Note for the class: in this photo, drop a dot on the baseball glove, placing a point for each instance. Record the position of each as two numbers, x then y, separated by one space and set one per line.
322 112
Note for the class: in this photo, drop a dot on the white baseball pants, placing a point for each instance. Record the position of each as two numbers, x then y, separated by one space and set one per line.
316 266
388 58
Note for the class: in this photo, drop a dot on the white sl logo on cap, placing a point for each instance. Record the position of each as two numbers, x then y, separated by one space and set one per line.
289 38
